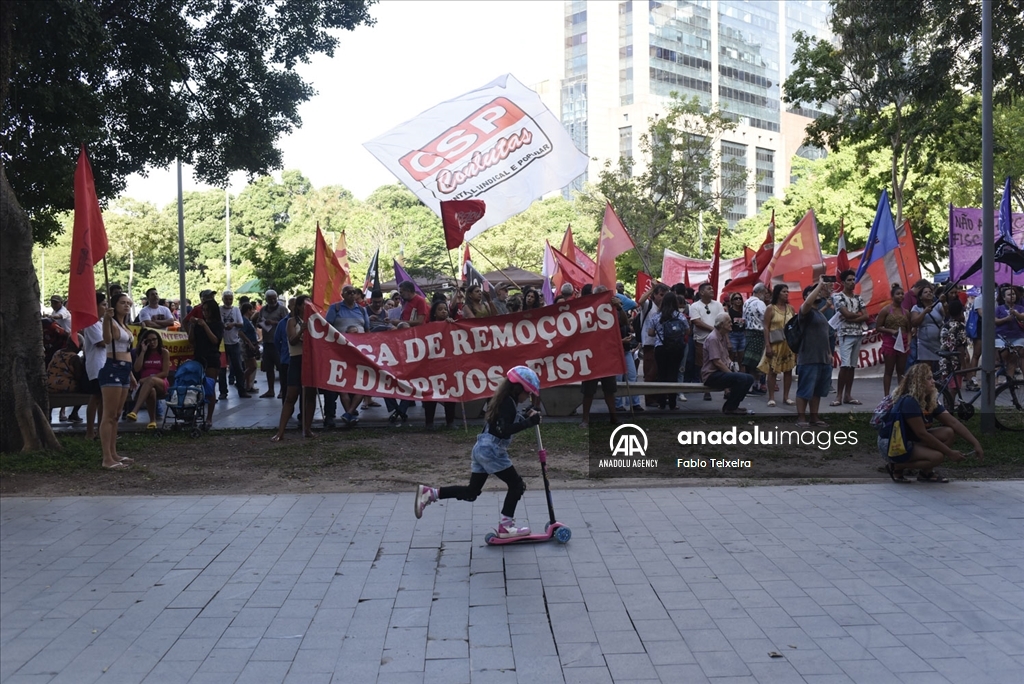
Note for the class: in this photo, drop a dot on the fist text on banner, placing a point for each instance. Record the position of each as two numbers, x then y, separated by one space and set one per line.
467 360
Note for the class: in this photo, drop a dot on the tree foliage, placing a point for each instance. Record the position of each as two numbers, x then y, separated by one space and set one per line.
673 195
895 74
140 84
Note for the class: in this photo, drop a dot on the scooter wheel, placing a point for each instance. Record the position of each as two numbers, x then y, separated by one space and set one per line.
488 537
195 433
563 534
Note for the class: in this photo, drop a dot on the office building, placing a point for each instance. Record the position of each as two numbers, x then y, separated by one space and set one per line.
622 59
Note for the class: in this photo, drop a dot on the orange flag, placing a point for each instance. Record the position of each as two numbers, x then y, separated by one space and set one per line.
328 275
570 272
800 249
614 240
88 246
341 253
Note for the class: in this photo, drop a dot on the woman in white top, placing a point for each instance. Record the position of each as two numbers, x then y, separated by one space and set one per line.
115 378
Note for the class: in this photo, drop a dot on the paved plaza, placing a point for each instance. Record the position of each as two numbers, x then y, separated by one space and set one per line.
868 583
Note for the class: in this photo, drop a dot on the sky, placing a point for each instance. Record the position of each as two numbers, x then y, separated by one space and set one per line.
417 55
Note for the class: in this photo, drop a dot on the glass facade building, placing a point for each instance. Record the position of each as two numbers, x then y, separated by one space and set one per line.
623 59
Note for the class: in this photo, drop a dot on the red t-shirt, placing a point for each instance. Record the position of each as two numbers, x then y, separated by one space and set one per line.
417 304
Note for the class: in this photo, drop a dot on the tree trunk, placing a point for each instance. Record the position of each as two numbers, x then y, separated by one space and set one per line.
24 405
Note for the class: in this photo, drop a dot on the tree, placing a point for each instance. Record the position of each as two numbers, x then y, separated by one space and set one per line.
213 84
895 74
680 189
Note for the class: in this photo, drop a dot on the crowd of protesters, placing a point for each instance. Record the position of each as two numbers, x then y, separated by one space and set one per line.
733 342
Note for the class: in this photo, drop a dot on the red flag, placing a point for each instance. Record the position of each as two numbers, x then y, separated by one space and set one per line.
570 272
328 275
716 261
613 241
800 249
88 247
764 254
457 217
644 283
686 275
341 252
576 255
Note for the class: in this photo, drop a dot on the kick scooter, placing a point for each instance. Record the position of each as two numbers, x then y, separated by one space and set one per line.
553 530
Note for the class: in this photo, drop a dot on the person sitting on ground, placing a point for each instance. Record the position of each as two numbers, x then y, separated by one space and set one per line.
478 303
916 408
716 373
814 361
151 366
155 315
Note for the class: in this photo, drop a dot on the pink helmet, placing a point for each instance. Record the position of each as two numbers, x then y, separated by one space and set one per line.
525 377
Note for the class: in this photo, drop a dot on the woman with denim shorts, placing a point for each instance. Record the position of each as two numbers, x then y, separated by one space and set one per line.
490 454
115 378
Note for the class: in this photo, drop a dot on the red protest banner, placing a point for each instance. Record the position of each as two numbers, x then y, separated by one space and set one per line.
577 341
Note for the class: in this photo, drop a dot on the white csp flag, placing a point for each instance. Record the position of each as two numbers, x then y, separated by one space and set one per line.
498 143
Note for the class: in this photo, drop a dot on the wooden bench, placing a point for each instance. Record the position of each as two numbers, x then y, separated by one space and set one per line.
565 399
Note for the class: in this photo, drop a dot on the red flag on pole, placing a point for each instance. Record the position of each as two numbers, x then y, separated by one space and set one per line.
328 275
88 247
466 259
570 272
716 261
800 249
613 241
644 283
576 255
457 217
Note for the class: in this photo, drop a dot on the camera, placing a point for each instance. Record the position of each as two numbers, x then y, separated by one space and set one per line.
828 278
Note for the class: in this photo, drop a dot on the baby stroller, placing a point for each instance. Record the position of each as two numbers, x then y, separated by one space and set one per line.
186 400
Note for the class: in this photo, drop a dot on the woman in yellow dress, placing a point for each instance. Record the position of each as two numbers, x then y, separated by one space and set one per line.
778 357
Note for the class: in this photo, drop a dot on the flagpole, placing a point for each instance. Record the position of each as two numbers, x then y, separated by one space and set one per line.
507 277
988 328
181 246
106 277
227 234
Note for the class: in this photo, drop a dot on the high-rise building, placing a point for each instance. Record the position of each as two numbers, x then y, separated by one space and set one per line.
623 59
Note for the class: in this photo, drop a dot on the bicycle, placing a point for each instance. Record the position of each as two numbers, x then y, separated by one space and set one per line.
1009 400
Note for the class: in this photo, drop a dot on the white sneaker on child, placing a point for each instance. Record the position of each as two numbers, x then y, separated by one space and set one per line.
507 529
424 497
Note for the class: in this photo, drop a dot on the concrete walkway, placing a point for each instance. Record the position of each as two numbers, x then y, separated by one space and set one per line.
873 583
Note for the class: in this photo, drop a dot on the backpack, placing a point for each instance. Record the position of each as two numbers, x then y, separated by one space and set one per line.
673 334
794 333
881 414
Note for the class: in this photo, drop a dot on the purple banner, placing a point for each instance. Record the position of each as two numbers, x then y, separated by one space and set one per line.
965 244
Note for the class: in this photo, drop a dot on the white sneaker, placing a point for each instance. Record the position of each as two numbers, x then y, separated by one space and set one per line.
508 529
424 497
